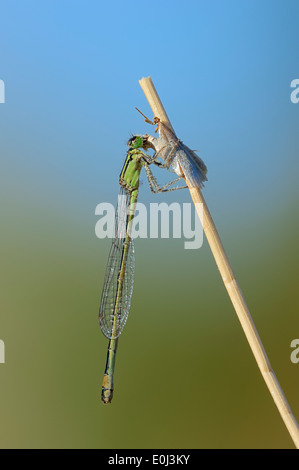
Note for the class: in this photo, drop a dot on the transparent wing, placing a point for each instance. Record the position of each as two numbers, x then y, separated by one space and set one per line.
181 158
194 169
119 277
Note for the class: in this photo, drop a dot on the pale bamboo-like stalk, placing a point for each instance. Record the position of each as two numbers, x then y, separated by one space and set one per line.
230 281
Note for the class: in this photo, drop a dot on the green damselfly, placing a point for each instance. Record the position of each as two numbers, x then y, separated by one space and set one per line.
119 277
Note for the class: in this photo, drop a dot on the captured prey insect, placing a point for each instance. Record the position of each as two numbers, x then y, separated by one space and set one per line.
119 277
184 161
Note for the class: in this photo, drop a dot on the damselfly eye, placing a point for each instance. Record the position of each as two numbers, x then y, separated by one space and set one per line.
138 142
135 142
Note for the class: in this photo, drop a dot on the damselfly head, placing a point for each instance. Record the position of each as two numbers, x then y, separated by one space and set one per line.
138 142
135 142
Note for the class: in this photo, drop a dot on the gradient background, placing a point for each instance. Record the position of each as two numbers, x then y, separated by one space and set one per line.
185 376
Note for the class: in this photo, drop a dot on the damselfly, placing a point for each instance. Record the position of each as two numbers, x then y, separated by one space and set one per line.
119 278
184 161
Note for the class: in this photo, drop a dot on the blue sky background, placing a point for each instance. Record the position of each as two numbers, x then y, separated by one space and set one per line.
223 70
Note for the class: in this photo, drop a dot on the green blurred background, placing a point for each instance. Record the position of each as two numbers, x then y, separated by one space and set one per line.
185 376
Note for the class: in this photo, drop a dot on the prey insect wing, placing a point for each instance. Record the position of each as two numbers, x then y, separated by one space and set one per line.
181 158
192 166
184 161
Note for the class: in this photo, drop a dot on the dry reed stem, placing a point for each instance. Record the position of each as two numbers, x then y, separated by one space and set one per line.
230 281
